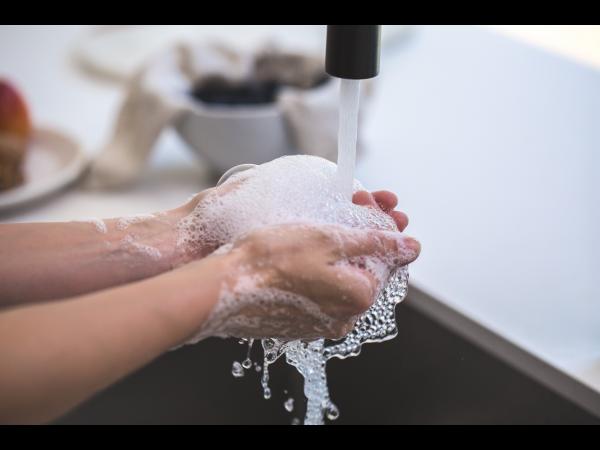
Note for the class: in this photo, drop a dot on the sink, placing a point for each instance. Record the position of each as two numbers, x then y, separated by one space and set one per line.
426 375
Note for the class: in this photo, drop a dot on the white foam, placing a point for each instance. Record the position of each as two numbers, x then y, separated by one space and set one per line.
124 222
151 252
290 189
98 224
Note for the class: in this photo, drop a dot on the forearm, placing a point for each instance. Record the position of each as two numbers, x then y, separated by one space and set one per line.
43 261
55 355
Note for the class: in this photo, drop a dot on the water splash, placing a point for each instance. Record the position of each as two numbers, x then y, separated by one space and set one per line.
377 324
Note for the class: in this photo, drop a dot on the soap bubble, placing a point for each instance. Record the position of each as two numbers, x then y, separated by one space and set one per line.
247 363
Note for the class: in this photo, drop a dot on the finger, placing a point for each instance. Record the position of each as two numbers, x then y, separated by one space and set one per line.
399 248
364 198
400 219
386 200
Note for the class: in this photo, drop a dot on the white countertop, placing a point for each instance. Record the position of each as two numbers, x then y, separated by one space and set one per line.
492 145
494 150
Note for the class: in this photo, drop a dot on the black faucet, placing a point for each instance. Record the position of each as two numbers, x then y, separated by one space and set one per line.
353 51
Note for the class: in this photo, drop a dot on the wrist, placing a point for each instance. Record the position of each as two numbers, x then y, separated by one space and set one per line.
189 294
147 242
155 237
185 252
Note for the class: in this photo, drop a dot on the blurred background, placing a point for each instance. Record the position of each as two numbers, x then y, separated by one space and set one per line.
488 134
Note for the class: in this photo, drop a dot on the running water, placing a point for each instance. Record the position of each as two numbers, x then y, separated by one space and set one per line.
376 325
347 135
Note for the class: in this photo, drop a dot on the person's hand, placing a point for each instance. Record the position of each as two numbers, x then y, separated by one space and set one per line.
298 280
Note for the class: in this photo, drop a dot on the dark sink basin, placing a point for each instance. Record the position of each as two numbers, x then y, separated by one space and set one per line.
426 375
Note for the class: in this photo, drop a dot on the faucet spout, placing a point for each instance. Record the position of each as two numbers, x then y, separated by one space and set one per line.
353 51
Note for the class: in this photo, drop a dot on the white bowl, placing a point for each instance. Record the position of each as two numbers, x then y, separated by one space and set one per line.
226 136
229 136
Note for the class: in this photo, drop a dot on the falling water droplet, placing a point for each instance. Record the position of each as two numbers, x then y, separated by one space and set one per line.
332 412
265 382
289 404
247 363
237 370
267 393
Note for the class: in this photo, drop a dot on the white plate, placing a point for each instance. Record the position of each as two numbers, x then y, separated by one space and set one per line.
53 161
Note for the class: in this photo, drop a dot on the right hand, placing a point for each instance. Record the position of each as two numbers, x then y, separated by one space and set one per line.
297 281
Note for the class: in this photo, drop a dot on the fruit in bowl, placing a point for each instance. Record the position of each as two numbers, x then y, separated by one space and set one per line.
15 133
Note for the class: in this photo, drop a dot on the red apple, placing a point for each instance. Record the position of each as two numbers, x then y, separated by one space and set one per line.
15 130
14 114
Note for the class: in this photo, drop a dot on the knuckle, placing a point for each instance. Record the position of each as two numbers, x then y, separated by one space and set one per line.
361 304
362 299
